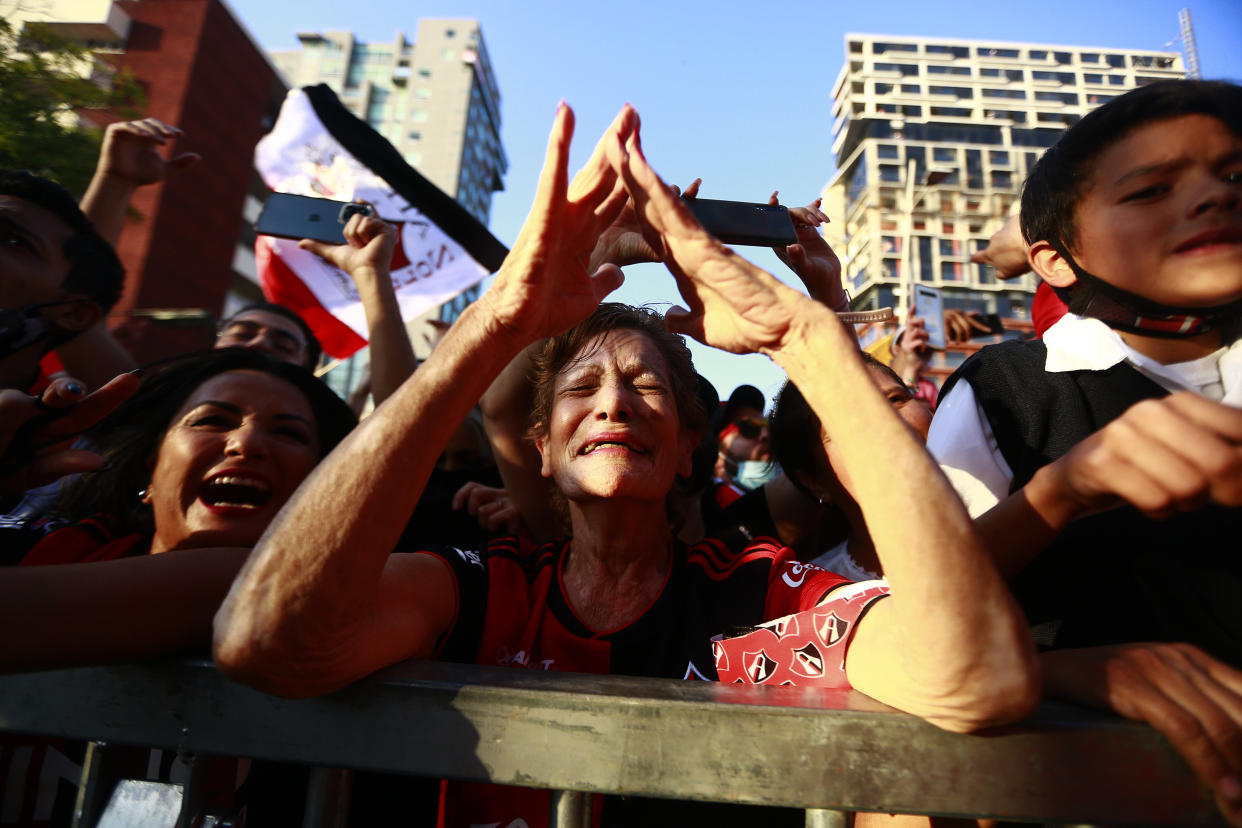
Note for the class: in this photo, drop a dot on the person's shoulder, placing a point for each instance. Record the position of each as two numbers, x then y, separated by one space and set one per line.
1013 362
719 559
522 554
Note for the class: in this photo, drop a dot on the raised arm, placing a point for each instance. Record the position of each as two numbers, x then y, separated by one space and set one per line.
129 158
321 602
367 257
950 644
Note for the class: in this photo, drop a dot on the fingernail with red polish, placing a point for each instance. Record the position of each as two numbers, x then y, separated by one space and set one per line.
1229 789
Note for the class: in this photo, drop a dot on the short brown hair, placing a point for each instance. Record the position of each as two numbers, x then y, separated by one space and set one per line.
559 351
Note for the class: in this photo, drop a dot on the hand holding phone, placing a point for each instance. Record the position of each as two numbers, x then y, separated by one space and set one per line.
744 222
290 216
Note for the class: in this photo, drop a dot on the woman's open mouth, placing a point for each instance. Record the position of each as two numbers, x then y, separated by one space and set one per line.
230 491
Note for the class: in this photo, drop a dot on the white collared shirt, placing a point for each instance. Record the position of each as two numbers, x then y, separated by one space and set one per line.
961 438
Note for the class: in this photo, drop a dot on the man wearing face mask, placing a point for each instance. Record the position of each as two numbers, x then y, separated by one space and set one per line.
58 278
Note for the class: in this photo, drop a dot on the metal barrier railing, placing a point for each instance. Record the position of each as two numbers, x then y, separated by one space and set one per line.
827 751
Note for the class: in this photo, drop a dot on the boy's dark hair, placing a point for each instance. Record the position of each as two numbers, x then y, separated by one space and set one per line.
313 349
94 269
129 438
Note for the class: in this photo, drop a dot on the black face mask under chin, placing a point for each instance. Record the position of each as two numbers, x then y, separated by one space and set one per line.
25 326
1126 311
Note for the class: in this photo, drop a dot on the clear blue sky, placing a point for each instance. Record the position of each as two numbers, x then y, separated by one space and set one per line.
736 93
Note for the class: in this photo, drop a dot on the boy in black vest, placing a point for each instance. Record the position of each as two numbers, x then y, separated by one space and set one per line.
1106 460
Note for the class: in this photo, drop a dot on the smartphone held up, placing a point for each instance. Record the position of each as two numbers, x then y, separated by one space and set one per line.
290 216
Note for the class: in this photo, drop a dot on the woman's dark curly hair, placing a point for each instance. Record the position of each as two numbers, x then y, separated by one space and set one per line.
129 438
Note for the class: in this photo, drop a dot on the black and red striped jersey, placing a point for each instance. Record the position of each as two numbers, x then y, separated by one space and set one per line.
513 611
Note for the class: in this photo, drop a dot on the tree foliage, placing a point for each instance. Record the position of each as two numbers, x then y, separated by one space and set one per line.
47 89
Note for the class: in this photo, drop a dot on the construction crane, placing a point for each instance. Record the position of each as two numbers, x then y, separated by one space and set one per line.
1189 49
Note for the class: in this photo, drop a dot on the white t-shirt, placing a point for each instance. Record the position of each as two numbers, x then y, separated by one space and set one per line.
961 438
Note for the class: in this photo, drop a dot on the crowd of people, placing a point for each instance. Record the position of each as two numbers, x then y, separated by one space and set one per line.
556 488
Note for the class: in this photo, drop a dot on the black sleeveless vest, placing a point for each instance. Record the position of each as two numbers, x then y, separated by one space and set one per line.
1117 576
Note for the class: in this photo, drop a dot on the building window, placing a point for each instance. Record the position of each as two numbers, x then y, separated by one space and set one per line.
1062 97
1018 94
856 47
1093 78
984 51
1002 179
450 32
1117 80
952 272
883 88
955 91
1089 57
942 69
998 157
911 88
881 48
953 51
925 258
944 154
1039 54
886 150
951 111
1116 61
890 172
1063 58
902 68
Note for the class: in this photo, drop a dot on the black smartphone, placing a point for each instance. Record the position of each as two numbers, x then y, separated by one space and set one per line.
993 321
291 216
744 222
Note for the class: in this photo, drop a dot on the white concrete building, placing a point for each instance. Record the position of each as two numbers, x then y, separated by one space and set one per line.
976 114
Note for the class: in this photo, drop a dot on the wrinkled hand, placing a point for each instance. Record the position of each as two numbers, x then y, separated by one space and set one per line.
545 285
1006 251
628 240
960 326
492 507
1190 697
34 431
369 242
1162 456
732 304
131 152
812 258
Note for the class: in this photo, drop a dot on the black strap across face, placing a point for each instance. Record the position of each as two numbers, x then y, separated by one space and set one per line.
26 325
1125 311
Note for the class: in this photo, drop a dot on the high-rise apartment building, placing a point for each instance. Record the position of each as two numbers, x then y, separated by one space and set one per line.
953 126
436 100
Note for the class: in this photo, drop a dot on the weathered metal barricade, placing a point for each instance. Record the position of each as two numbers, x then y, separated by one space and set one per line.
826 751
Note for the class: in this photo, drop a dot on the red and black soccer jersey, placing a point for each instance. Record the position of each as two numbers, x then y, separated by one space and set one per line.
512 611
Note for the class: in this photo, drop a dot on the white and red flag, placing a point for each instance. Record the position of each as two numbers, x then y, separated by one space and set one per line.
318 148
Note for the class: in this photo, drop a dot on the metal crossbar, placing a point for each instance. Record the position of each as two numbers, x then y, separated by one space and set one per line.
817 749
